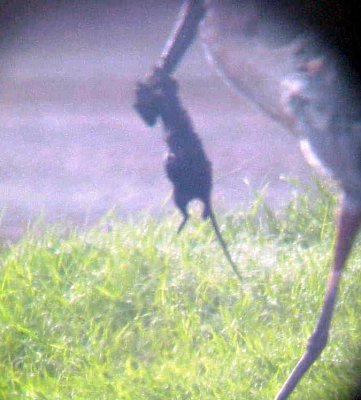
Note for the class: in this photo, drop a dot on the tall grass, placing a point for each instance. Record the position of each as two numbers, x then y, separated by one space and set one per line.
137 312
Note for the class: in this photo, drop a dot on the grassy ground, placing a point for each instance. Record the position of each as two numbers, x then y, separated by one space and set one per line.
131 311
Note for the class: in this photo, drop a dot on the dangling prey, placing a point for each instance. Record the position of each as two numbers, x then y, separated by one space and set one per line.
187 165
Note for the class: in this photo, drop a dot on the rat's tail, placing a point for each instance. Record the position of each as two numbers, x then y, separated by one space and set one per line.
224 245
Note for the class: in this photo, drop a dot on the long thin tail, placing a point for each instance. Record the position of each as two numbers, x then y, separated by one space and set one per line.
224 245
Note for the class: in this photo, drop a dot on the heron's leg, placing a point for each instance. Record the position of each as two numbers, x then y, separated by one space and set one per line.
348 223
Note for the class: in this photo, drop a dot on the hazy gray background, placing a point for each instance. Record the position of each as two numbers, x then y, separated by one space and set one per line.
72 146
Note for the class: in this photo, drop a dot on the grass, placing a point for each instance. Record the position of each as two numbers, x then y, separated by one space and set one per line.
131 311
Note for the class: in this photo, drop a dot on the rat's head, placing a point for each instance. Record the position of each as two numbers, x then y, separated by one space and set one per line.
158 86
148 102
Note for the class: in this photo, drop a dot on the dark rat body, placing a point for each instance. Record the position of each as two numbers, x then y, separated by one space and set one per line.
187 165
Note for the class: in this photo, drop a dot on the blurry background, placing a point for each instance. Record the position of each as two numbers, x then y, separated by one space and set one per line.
72 146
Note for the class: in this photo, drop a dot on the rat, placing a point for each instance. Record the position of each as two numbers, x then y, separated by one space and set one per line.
186 163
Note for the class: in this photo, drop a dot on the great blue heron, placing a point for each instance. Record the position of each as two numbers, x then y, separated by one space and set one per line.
313 92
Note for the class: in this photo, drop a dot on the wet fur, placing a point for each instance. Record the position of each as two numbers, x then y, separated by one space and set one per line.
186 163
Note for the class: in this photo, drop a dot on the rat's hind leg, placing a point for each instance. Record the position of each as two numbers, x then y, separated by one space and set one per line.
181 202
185 219
206 209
